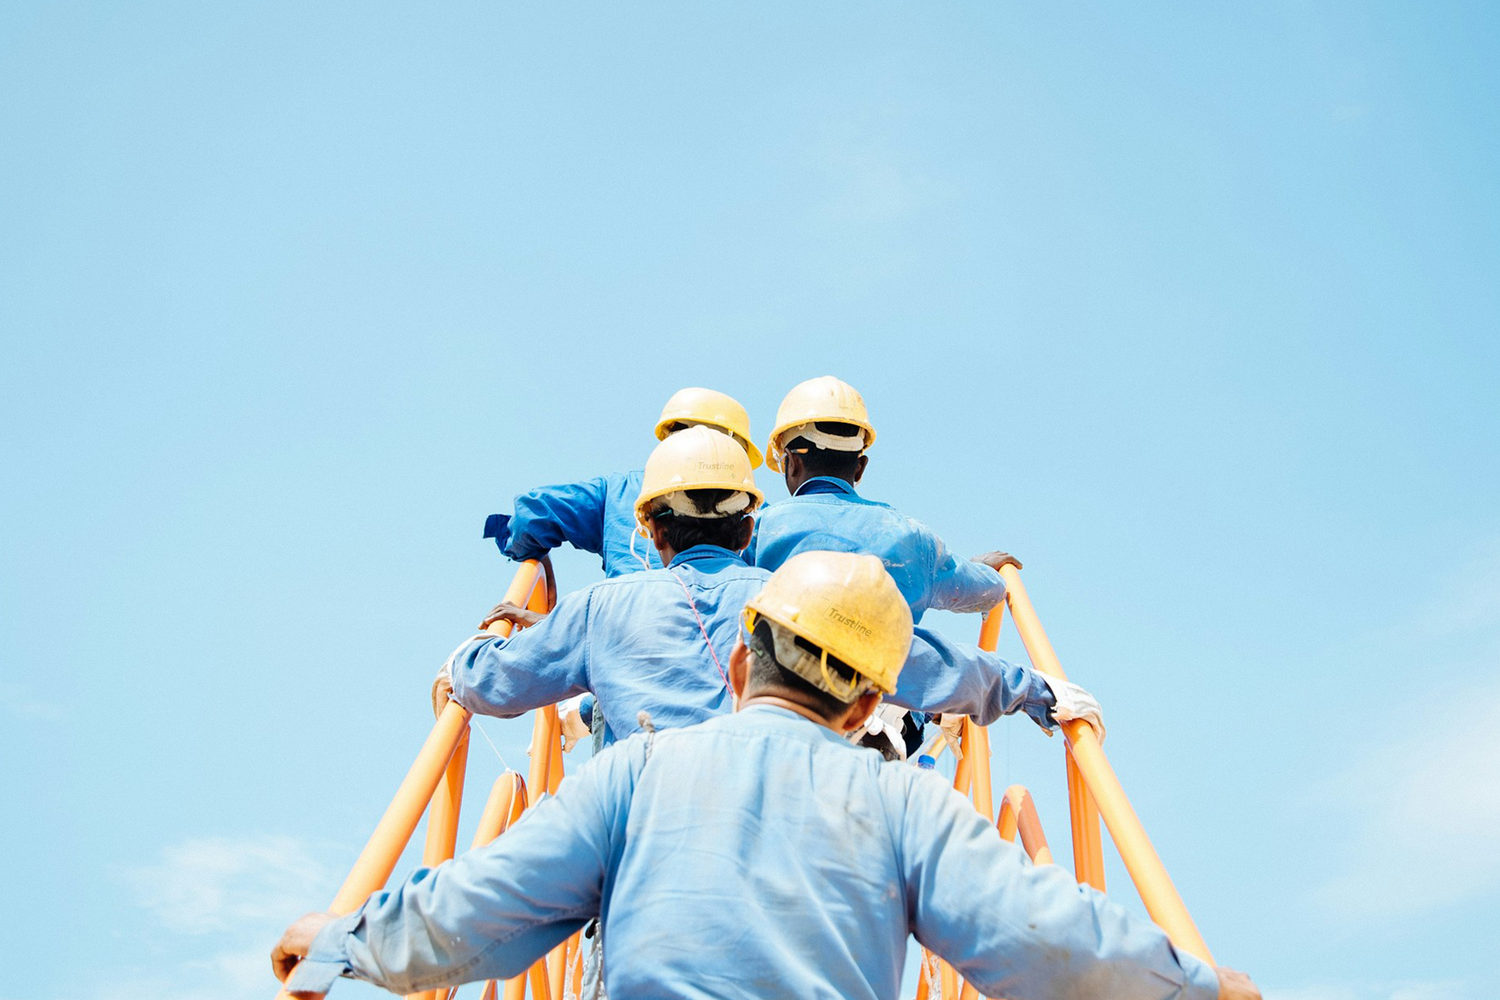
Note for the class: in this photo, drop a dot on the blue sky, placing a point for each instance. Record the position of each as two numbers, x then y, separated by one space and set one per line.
1193 308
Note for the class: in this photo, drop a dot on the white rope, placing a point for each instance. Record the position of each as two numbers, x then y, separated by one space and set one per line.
475 723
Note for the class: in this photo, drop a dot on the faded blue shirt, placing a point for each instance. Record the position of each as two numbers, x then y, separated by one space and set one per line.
596 515
826 514
756 855
636 643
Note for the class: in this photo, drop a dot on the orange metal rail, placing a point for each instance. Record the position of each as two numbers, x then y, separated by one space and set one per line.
1141 860
396 826
1018 815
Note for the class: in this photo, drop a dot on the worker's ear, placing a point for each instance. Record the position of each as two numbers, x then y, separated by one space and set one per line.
658 532
791 468
859 469
747 528
739 670
864 707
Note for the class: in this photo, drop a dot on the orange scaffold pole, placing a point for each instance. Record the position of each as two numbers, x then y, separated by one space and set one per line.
1157 892
393 832
1018 815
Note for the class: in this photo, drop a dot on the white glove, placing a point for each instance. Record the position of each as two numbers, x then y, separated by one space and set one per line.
952 725
572 724
1073 702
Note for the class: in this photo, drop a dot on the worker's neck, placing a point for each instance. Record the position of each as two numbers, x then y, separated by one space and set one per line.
804 480
765 698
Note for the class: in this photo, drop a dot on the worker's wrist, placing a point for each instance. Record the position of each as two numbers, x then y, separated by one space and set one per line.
1040 701
327 957
1202 982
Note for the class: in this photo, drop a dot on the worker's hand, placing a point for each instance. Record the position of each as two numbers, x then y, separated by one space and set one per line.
295 942
994 560
952 725
442 691
1073 702
1236 985
570 720
519 617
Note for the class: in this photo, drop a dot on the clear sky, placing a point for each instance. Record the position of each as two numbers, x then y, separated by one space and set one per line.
1193 307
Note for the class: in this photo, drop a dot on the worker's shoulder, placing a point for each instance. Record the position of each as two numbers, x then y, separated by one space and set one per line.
630 480
789 505
904 783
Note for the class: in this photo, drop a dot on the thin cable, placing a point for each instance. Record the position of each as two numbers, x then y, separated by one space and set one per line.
475 722
702 629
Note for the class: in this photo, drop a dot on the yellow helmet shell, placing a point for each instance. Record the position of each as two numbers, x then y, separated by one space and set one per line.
822 398
845 604
712 409
699 458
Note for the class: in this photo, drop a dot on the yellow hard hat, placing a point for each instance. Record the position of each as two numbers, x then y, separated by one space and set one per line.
699 458
712 409
823 398
846 605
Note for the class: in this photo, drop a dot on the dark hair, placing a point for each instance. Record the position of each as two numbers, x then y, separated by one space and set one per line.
682 533
825 461
767 672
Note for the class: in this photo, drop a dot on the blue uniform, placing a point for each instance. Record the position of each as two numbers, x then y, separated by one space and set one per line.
826 514
596 515
756 855
636 644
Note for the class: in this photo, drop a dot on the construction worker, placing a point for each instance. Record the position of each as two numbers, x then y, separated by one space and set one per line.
760 854
659 641
822 432
819 441
597 515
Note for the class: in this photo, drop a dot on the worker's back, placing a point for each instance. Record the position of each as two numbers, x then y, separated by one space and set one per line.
827 514
758 859
762 855
656 641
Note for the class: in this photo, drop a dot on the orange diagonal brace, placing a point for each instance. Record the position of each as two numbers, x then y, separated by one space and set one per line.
1018 815
1141 860
378 859
506 803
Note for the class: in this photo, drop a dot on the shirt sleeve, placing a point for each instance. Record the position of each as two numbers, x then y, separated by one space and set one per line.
1021 931
945 676
546 517
532 668
492 912
961 584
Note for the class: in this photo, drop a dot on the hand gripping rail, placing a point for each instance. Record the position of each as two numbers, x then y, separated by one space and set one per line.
436 776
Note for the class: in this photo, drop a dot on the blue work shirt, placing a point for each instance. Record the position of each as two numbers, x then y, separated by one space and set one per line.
636 644
596 515
826 514
756 855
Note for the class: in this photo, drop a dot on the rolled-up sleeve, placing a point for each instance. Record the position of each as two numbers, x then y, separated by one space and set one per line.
546 517
962 585
1022 931
944 676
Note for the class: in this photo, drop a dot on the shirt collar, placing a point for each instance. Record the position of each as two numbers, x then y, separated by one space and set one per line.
825 484
700 553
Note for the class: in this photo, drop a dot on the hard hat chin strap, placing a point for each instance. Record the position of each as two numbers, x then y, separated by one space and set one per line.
811 667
